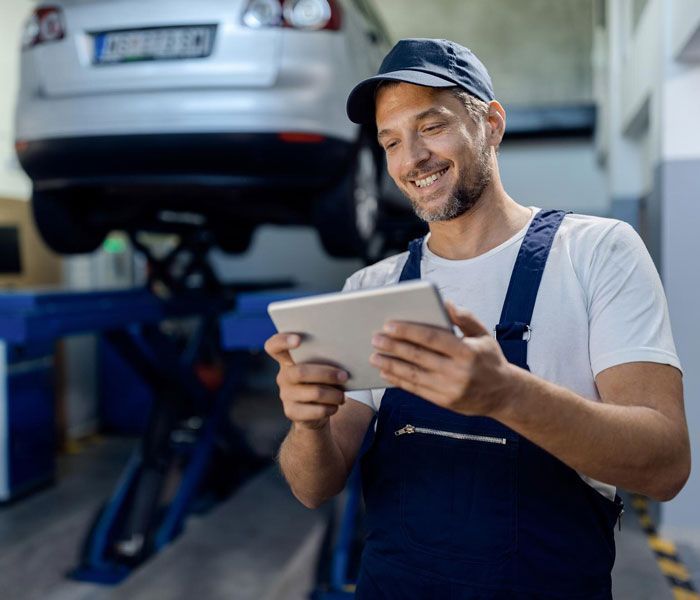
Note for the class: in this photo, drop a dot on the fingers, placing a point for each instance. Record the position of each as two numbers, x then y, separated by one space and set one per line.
310 415
279 345
414 388
406 375
316 374
466 321
310 393
313 394
310 405
436 339
417 355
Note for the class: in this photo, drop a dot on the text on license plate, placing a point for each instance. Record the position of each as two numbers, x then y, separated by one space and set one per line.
163 43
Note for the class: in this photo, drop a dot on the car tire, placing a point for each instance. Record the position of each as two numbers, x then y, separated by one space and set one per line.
62 219
348 216
233 238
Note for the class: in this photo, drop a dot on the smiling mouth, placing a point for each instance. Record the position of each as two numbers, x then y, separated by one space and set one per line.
429 180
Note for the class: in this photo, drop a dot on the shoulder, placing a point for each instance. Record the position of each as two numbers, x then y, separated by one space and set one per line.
588 231
384 272
588 238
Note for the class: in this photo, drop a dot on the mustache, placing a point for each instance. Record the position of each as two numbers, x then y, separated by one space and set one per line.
424 171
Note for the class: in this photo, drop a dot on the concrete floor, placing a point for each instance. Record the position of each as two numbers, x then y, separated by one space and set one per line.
259 545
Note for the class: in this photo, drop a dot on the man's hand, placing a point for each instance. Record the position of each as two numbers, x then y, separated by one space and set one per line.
310 393
469 375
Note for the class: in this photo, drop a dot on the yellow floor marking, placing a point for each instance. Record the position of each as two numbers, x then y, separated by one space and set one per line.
681 594
646 521
676 570
661 545
74 446
639 503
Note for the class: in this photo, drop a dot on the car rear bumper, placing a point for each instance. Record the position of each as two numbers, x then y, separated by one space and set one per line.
308 93
242 161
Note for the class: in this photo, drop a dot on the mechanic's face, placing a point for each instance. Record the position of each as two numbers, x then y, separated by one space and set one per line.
435 153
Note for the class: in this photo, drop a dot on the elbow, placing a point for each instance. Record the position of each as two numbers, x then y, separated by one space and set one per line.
668 485
310 503
313 501
669 490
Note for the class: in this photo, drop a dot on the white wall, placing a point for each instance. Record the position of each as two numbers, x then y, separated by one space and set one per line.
680 139
685 33
556 173
13 182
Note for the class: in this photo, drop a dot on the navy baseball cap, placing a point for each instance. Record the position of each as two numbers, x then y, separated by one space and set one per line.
422 61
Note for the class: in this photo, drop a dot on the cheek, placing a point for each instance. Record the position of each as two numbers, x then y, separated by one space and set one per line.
393 168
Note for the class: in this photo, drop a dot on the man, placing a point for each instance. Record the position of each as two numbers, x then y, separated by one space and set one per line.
492 469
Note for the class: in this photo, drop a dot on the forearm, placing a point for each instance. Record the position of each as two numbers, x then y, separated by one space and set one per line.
635 447
312 464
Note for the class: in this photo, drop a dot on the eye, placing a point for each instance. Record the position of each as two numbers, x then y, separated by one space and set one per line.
390 144
433 127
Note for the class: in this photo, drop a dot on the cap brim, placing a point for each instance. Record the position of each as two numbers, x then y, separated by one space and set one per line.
360 105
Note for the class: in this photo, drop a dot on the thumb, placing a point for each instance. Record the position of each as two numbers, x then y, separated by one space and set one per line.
466 321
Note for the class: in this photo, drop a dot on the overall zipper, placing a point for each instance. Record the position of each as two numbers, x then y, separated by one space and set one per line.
408 429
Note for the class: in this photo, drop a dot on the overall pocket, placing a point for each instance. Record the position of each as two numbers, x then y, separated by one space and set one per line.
458 487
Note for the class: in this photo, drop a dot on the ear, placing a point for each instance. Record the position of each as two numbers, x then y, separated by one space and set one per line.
496 120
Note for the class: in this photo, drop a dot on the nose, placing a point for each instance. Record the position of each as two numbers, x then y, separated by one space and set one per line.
416 153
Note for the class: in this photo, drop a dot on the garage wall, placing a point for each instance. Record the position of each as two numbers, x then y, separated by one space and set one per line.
537 52
13 182
555 173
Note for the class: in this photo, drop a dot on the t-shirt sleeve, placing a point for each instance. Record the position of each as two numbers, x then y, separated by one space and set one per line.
371 398
627 308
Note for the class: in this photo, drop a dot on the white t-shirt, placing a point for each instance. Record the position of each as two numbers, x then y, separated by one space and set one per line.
600 302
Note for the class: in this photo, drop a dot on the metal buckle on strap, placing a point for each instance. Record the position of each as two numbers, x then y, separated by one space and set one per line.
526 335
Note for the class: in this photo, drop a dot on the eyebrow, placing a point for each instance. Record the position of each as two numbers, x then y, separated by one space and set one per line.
426 114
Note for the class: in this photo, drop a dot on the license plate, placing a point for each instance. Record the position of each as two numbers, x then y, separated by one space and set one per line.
162 43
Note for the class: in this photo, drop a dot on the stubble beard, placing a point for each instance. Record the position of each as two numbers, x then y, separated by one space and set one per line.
464 195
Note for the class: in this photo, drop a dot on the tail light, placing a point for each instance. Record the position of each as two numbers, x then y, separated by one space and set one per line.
298 14
295 137
44 25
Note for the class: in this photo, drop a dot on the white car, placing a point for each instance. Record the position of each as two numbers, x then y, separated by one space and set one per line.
149 115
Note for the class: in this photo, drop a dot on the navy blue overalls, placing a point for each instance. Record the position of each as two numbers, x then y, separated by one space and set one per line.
463 507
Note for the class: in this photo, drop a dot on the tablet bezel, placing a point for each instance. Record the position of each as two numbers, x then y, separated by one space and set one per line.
337 328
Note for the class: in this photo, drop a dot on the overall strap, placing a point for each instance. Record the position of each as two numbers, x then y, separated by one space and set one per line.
411 270
513 330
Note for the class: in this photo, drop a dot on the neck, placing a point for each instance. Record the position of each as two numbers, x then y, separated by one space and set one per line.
495 218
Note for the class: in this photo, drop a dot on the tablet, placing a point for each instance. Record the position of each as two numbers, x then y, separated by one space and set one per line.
336 329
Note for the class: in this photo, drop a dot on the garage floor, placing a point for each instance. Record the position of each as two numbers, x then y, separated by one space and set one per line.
260 544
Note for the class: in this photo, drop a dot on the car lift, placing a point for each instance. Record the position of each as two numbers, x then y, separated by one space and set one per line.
189 421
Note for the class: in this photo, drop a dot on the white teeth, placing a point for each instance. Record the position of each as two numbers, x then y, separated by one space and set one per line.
421 183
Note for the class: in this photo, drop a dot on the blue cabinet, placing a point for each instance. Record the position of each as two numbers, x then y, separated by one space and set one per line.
27 418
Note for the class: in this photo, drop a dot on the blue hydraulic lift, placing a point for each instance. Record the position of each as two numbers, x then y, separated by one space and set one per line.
136 521
187 420
188 424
